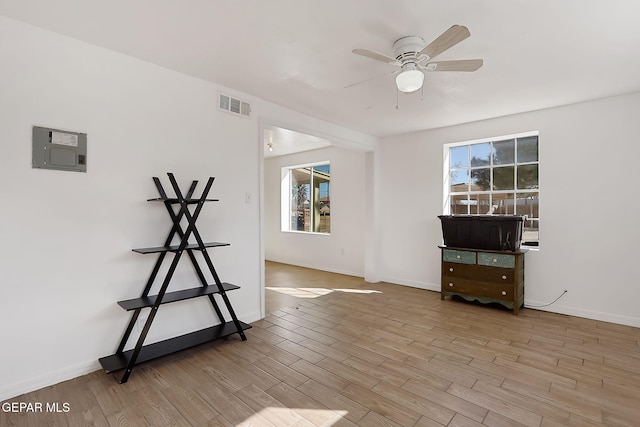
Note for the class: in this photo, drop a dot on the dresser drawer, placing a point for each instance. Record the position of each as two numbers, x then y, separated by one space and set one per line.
497 260
462 257
478 273
480 289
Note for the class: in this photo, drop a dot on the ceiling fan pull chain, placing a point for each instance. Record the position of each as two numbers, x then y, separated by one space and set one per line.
397 97
422 93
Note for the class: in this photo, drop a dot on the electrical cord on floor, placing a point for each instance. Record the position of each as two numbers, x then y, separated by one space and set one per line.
546 305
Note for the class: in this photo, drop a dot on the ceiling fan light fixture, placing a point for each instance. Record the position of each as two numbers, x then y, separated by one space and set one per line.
410 79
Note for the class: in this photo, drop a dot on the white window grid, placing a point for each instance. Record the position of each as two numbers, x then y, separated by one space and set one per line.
472 195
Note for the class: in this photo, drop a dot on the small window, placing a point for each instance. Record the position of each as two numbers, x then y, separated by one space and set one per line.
498 176
306 198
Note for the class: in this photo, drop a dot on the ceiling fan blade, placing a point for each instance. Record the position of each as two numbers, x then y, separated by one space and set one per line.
372 78
446 40
377 56
460 65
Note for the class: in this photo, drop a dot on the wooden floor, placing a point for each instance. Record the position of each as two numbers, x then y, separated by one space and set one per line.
336 351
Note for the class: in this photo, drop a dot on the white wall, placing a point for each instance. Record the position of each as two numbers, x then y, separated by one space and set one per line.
588 205
343 250
67 237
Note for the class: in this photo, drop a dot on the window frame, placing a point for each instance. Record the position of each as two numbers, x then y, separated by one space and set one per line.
286 198
447 171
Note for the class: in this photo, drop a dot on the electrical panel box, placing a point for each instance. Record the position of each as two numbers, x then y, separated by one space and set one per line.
59 150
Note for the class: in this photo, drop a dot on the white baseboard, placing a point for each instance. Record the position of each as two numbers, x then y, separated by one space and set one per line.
317 267
571 311
71 372
587 314
251 317
412 284
51 378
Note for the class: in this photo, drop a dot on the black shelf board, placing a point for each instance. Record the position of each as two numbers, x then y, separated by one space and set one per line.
176 200
115 362
175 248
135 303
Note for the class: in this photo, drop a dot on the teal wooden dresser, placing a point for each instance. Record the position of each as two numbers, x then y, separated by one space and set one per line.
483 275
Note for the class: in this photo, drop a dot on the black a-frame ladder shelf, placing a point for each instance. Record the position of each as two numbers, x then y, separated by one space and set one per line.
179 208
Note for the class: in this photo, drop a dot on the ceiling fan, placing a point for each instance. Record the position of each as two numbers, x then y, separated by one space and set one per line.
413 57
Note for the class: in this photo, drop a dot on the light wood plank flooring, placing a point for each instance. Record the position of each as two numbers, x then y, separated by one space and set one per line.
337 351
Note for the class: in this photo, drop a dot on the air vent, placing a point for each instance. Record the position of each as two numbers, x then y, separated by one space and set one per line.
235 106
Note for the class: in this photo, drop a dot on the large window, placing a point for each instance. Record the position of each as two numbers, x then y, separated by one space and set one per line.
498 176
306 198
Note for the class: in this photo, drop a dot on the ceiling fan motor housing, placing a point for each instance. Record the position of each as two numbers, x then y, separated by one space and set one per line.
407 49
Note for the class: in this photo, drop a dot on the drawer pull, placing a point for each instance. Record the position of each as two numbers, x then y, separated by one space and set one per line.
451 269
458 256
504 293
504 277
451 285
495 260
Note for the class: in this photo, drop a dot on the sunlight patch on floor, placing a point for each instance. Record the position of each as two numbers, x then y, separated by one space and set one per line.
358 291
294 416
317 292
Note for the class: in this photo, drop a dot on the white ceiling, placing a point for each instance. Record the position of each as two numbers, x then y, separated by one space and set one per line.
280 142
297 53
